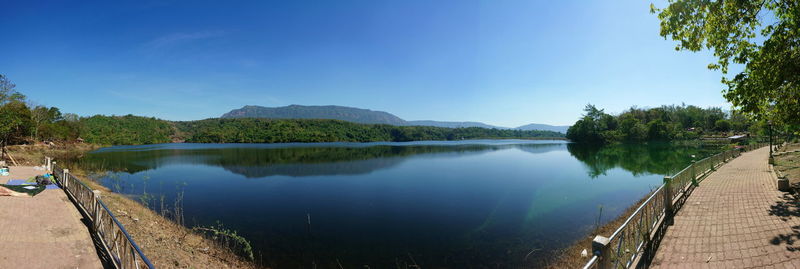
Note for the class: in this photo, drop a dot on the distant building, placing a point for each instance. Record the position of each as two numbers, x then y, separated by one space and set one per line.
737 138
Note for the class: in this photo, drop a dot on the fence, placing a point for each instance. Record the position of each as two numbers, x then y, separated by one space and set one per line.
121 248
635 240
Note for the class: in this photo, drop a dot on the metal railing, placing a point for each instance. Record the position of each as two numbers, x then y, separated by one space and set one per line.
635 239
118 244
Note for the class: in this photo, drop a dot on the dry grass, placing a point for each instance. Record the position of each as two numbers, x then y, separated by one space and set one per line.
789 164
571 257
32 155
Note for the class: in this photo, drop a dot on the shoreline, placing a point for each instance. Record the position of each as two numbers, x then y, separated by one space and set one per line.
570 256
165 242
349 142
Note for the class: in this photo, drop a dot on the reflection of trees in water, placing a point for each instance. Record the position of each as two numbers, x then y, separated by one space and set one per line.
639 159
541 148
315 169
292 161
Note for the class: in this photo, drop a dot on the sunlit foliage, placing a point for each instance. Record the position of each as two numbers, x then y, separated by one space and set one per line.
764 36
655 124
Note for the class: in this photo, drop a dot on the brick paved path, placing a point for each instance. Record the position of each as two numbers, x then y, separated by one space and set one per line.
736 219
44 231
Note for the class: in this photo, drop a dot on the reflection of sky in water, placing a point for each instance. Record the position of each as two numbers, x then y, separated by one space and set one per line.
447 205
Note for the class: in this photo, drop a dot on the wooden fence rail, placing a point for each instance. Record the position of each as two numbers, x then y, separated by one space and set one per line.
117 243
635 240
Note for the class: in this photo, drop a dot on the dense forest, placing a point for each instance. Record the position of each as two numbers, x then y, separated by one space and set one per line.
21 122
250 130
662 123
135 130
126 130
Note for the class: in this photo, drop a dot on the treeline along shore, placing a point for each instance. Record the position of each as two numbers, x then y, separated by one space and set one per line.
134 130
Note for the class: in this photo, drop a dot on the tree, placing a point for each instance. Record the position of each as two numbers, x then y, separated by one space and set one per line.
739 122
588 128
769 85
39 115
722 125
14 123
8 93
45 118
592 112
657 130
632 129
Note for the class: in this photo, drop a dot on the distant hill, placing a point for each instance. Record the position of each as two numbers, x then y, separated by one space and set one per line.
452 124
344 113
366 116
543 127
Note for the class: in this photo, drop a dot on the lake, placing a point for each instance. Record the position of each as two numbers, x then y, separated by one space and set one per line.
441 204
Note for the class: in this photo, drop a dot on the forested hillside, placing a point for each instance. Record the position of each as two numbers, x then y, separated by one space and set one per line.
126 130
249 130
365 116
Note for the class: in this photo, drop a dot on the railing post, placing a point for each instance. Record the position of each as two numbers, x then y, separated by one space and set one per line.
65 178
48 164
96 217
668 200
693 174
600 249
710 165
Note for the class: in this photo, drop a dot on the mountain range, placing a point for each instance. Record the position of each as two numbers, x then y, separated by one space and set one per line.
365 116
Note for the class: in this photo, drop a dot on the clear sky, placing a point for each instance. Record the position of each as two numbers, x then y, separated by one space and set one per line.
506 63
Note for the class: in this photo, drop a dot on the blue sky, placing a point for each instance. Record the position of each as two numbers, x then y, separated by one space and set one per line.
505 63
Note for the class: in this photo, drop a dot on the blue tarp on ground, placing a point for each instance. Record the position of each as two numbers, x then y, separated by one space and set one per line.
23 182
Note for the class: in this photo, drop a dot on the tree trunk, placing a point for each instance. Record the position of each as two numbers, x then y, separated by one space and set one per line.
3 146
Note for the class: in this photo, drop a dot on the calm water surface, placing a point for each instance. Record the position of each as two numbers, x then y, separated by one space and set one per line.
492 203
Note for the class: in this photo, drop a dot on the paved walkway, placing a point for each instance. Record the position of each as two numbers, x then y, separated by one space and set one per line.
736 219
44 231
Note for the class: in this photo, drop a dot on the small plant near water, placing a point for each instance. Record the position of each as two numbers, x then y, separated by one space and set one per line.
599 217
228 238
